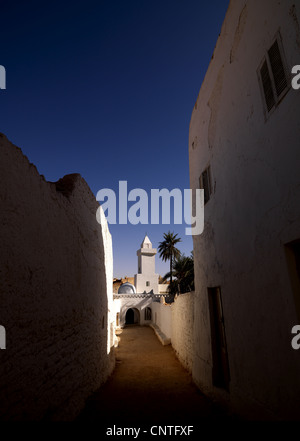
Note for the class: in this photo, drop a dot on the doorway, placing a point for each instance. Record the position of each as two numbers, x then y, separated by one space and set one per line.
220 371
132 317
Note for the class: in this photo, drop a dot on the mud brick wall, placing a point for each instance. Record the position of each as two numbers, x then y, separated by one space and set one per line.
55 292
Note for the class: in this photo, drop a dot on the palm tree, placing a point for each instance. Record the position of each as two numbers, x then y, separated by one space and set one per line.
183 272
168 251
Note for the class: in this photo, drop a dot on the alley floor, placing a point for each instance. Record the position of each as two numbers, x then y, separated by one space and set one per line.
148 386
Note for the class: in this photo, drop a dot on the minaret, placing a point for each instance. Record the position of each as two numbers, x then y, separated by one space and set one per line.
146 280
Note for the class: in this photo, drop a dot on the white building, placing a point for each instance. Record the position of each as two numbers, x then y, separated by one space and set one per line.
244 151
133 302
146 280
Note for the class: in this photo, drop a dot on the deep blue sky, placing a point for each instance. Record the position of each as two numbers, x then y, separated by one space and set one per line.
106 89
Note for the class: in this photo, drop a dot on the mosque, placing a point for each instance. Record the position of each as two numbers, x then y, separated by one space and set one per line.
133 302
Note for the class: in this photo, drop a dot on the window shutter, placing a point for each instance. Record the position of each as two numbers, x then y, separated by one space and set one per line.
267 86
278 71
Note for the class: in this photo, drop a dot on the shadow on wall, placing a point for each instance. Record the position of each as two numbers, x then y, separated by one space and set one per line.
55 270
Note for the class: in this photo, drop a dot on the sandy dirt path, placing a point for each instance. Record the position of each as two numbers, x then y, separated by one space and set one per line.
148 386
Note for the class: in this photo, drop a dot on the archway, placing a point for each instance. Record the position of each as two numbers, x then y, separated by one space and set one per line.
132 317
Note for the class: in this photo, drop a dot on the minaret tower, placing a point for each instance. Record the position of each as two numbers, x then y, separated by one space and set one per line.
146 280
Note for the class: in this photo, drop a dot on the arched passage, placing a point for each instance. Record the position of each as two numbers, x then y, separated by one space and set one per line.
132 316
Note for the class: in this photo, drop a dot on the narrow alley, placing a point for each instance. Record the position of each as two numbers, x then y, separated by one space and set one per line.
148 386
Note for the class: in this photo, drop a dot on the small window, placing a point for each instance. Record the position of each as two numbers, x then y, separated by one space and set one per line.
205 184
147 283
273 76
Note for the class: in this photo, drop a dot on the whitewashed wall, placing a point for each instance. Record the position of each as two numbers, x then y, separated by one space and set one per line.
162 317
137 302
176 322
253 212
183 329
163 288
55 271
